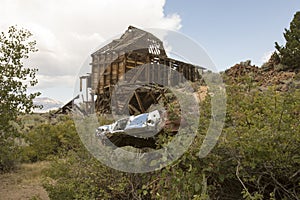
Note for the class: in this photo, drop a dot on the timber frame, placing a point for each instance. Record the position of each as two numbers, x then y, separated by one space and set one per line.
142 51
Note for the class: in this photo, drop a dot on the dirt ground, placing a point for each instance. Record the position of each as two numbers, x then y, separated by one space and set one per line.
24 183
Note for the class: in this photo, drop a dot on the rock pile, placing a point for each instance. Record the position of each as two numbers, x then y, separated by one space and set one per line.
244 72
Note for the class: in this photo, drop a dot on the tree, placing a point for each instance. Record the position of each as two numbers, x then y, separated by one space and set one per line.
15 79
290 53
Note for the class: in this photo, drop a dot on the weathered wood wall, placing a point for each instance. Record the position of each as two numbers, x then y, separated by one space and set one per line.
108 69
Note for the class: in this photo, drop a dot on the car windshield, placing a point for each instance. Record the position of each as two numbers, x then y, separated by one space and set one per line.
139 120
120 124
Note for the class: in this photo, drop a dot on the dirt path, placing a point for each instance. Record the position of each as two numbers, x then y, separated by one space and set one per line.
24 183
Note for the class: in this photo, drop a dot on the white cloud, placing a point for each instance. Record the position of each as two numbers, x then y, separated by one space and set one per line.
54 81
68 31
266 56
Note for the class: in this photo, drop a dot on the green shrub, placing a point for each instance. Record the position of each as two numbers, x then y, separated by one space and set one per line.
297 77
80 176
8 155
50 140
257 157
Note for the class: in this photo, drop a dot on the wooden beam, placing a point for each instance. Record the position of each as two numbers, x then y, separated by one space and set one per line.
133 109
139 102
124 67
153 97
118 68
111 74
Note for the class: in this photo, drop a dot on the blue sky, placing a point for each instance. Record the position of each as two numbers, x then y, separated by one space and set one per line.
234 30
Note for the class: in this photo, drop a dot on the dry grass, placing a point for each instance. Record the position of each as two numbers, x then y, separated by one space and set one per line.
24 183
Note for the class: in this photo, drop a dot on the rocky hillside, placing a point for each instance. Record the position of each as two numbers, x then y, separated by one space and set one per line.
262 77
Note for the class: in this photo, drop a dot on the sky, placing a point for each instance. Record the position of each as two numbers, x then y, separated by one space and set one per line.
68 31
233 30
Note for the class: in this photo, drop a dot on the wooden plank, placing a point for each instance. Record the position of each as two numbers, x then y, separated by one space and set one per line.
152 72
136 111
135 62
124 67
96 77
147 69
109 76
80 87
139 102
180 74
130 66
170 74
165 77
137 74
118 68
189 73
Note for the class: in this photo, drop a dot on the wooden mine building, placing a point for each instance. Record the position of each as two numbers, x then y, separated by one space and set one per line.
138 49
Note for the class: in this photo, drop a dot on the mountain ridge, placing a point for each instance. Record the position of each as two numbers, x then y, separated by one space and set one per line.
48 104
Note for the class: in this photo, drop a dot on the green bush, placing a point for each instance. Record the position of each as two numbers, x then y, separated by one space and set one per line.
49 139
8 155
257 157
80 176
297 77
281 67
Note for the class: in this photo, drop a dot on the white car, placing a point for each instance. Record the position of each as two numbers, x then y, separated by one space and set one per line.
142 126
